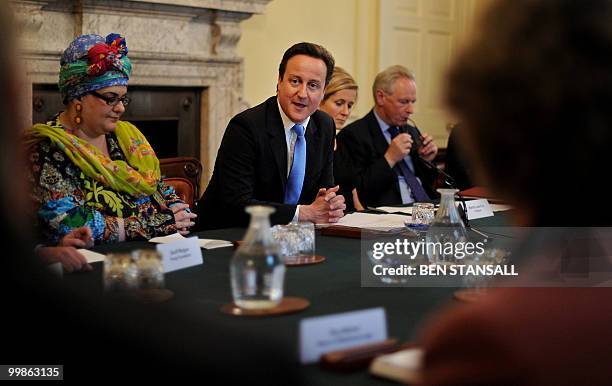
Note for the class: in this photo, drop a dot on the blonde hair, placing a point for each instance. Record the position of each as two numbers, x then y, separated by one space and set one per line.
385 80
341 80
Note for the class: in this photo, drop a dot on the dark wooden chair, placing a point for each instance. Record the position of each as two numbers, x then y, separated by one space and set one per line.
184 174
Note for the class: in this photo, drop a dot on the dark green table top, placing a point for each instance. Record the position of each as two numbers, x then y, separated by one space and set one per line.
331 287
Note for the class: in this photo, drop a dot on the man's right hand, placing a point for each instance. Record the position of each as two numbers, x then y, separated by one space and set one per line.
326 208
398 148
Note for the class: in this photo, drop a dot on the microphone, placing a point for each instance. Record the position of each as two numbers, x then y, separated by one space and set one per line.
417 144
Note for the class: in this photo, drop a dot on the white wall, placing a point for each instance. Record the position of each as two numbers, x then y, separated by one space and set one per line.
349 29
330 23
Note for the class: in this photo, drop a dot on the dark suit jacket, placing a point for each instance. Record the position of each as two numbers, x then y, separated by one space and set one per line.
360 163
456 164
251 167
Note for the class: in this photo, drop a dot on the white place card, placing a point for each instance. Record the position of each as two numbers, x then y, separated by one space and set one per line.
204 243
323 334
180 254
91 256
478 209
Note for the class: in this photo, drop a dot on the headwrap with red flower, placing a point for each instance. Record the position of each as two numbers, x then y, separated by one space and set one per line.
91 62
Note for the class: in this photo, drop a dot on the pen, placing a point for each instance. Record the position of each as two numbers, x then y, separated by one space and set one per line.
372 209
480 233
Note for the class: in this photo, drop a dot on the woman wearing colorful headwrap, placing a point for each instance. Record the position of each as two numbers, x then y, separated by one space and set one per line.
89 168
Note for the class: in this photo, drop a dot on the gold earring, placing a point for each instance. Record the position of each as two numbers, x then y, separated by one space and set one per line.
78 119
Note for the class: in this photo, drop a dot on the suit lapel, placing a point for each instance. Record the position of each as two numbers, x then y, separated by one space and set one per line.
313 145
378 139
278 142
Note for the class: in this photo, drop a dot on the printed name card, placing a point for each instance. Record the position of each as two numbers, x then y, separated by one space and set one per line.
478 209
323 334
180 254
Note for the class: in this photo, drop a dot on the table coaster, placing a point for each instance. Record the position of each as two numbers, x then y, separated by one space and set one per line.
301 261
288 305
153 295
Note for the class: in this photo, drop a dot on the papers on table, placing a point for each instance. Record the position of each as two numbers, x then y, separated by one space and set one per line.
94 257
204 243
384 222
91 256
402 366
500 207
394 209
408 209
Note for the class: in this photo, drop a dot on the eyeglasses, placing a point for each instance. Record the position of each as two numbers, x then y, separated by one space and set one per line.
112 101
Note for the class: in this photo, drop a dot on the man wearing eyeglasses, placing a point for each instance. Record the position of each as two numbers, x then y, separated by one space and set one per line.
381 154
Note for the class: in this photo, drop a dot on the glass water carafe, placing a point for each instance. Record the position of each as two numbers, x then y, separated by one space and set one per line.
257 271
445 231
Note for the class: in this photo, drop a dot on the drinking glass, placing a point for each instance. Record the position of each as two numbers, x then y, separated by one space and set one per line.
422 215
296 242
120 273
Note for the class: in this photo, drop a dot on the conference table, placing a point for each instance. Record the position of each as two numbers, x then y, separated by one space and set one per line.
333 286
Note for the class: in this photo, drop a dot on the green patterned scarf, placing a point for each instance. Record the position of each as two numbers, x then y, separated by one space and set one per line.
138 177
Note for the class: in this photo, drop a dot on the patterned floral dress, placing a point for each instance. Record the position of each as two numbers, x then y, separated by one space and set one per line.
64 198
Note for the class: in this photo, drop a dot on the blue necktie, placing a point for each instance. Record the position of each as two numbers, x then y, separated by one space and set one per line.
416 188
298 168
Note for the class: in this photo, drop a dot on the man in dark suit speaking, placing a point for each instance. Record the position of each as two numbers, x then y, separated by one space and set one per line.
279 153
380 154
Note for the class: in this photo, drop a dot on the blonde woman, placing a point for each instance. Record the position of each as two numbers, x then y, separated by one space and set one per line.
340 97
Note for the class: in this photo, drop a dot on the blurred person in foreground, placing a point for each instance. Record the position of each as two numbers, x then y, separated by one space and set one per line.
66 253
532 91
47 323
340 97
456 161
89 168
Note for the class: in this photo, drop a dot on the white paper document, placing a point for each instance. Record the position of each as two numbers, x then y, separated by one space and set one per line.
408 209
374 221
500 207
204 243
395 209
403 366
91 256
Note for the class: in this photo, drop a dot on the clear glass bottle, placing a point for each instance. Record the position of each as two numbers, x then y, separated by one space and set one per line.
257 271
445 228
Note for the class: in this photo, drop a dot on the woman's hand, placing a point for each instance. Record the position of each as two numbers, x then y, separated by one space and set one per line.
78 238
70 258
183 217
